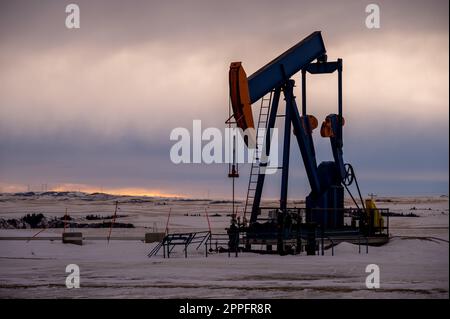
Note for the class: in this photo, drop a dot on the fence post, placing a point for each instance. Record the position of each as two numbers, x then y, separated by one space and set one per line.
323 241
168 250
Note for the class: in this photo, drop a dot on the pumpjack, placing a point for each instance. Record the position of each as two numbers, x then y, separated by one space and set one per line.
324 206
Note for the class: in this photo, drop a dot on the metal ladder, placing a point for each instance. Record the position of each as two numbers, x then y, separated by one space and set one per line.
254 170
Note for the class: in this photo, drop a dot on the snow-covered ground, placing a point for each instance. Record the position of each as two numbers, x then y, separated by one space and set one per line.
414 264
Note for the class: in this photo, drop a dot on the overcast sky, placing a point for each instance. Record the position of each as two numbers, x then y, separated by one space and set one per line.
92 108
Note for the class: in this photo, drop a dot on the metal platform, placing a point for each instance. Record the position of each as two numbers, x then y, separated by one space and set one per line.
170 241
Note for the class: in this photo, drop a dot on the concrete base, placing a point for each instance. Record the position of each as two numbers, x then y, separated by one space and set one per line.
152 237
72 238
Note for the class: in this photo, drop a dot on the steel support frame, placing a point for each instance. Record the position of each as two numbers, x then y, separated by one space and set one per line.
302 132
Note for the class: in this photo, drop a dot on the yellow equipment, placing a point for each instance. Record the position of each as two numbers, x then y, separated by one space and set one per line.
376 220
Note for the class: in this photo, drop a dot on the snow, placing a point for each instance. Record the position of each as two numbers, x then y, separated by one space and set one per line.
414 264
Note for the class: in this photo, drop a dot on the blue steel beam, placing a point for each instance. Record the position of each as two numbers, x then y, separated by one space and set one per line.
279 70
304 138
286 153
323 67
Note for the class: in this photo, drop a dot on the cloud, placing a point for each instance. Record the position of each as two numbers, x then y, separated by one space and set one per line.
96 105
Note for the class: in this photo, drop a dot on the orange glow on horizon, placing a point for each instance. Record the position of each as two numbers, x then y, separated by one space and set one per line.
126 191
